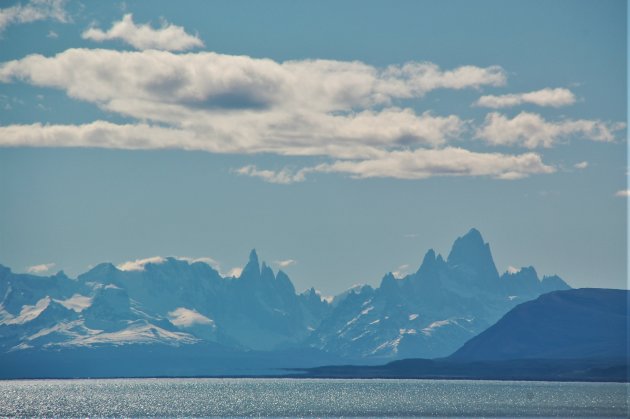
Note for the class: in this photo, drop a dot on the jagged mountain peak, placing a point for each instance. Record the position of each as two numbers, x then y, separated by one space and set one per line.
266 273
469 242
430 262
253 257
473 254
100 272
388 282
252 269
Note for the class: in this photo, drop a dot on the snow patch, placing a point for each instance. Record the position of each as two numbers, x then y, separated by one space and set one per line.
29 313
184 317
77 302
140 332
367 310
434 326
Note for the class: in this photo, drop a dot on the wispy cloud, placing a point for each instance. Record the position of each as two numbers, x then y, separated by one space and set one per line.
531 130
33 11
450 161
420 164
139 264
401 271
38 269
142 36
284 176
234 272
624 193
546 97
581 165
512 270
207 260
285 263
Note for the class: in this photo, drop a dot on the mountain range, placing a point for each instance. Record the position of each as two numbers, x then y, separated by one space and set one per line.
571 335
175 304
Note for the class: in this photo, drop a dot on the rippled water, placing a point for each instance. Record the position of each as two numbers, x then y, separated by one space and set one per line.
317 397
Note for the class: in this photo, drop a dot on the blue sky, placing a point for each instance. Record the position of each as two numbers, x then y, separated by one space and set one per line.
340 139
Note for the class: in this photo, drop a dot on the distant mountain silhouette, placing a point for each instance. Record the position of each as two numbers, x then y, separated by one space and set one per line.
576 324
177 302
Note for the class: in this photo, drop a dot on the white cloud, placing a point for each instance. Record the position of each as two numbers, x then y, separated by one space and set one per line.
425 163
345 111
581 165
184 317
139 264
624 193
531 130
450 161
33 11
38 269
401 271
226 103
169 37
546 97
207 260
285 263
512 270
52 34
234 272
210 81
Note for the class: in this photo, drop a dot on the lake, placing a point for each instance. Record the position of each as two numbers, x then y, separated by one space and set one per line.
308 397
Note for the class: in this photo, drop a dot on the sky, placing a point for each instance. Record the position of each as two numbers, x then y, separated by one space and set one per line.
342 140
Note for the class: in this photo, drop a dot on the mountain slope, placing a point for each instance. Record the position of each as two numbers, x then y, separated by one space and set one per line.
581 323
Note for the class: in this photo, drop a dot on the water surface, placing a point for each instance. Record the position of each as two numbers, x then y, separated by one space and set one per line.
308 397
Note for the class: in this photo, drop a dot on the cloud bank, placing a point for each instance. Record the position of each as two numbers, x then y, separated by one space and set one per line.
347 112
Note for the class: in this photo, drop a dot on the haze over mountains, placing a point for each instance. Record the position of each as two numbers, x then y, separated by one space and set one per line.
177 303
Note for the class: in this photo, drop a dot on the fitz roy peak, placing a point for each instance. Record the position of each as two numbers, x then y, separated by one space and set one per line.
433 311
176 303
